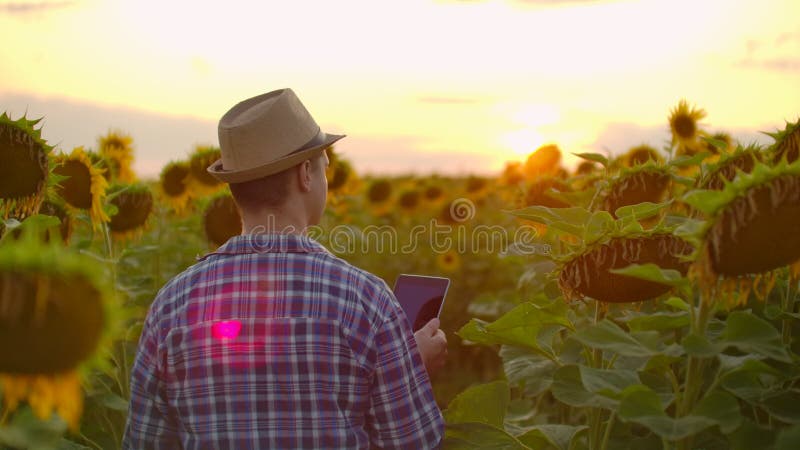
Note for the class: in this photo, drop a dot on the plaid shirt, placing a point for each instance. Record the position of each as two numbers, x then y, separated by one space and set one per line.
273 342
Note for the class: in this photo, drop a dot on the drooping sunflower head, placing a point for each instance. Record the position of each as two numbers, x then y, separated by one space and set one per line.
25 167
719 143
545 160
787 143
683 123
475 184
202 181
588 274
117 148
433 192
134 203
82 185
645 183
221 220
752 228
641 154
56 311
379 191
741 160
173 185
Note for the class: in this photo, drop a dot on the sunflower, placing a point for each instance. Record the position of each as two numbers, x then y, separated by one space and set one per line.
83 185
134 203
476 184
644 183
448 261
201 182
588 274
512 174
339 172
719 142
117 149
640 155
408 200
433 192
379 191
683 122
586 168
545 160
25 169
787 143
174 185
742 160
55 312
221 220
752 229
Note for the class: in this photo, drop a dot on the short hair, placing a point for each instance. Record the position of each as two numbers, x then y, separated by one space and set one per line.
267 192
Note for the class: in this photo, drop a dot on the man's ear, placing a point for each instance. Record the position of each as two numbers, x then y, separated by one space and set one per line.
304 177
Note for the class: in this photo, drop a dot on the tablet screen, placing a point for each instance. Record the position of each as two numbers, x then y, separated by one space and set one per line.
421 297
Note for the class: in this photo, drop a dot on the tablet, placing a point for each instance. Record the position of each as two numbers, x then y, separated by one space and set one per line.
421 296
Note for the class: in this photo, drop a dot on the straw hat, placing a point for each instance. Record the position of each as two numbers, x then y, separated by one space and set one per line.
265 135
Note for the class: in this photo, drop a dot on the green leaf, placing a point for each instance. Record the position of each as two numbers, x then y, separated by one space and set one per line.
607 335
689 160
654 273
641 405
568 388
519 327
696 345
596 157
706 201
788 439
525 368
749 436
641 211
599 225
470 436
113 401
559 436
677 303
570 220
27 431
485 403
784 406
609 382
660 321
752 334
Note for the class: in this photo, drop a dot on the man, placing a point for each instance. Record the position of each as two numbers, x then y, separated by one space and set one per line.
271 341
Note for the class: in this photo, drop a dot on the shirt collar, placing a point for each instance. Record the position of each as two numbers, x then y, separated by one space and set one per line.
268 243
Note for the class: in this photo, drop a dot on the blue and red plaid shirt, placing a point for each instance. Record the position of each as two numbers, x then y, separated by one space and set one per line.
273 342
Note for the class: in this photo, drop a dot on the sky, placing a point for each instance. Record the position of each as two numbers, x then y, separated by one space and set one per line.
417 85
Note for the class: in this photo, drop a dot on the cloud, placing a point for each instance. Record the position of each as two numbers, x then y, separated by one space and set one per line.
21 8
779 54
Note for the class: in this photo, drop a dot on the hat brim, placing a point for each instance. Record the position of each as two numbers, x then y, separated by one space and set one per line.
273 167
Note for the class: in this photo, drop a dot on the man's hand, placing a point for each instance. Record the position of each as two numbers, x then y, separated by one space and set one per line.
432 345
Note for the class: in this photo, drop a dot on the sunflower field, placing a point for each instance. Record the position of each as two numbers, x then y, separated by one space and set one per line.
641 301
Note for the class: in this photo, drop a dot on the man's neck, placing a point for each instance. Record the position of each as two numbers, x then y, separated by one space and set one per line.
271 221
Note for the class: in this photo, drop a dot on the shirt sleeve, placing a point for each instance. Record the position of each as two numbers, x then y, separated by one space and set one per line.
403 412
149 425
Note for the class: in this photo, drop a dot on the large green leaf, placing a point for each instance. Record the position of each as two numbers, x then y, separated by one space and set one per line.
654 273
700 346
784 405
752 334
659 321
485 403
706 201
558 436
600 224
608 382
570 220
27 431
568 388
607 335
471 436
788 439
749 436
640 211
641 405
519 327
530 370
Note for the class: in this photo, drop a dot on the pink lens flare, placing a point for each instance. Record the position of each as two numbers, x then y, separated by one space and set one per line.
226 330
